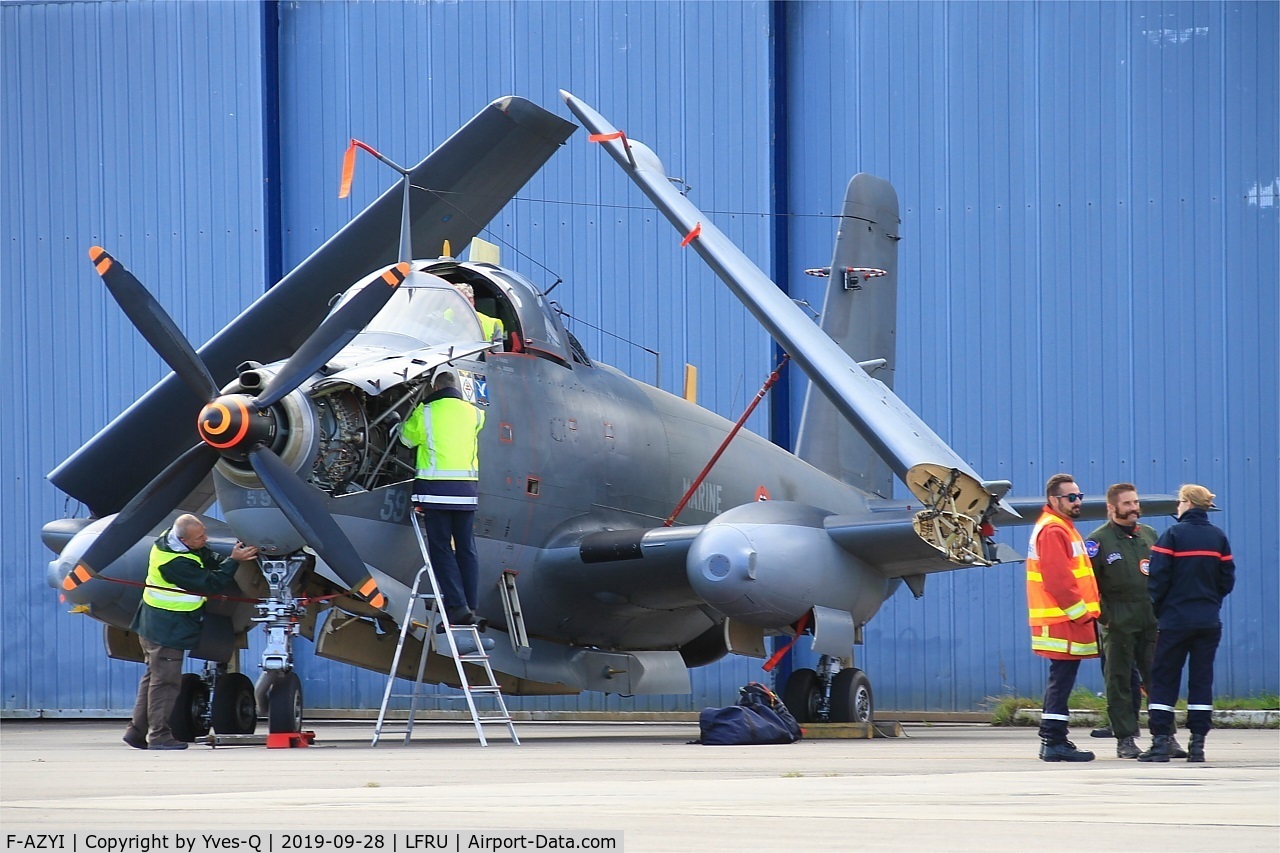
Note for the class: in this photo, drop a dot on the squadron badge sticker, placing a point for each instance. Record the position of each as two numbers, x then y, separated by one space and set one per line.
474 387
1091 548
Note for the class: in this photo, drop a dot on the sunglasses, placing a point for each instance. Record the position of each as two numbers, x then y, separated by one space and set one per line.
1071 497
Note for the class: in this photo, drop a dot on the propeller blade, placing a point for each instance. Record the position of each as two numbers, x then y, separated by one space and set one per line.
334 334
155 324
306 511
156 500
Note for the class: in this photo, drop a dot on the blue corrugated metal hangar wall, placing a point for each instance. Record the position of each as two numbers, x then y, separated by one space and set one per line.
1088 269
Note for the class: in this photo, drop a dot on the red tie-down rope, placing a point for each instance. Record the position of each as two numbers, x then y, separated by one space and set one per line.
211 595
764 389
780 653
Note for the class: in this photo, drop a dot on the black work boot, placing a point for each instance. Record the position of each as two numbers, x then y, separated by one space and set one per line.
1195 752
1159 750
1127 747
1175 749
1063 750
1105 731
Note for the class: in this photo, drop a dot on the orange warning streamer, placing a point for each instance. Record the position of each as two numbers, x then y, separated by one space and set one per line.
349 166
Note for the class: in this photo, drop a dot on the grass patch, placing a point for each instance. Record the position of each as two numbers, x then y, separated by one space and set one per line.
1004 709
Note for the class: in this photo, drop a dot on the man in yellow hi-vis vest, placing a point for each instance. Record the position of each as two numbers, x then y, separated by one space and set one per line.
182 570
445 429
1063 607
491 327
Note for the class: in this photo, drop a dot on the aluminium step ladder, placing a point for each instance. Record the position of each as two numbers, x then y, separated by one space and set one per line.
465 646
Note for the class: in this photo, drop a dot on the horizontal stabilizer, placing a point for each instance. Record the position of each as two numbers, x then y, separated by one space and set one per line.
1028 509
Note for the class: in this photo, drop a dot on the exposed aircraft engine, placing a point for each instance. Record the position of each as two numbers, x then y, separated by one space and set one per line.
769 563
342 427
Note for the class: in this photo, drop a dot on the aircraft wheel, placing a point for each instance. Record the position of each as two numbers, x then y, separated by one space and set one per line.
191 709
284 712
234 709
851 700
803 695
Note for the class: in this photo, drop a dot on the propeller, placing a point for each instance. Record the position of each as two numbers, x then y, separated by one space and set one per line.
238 426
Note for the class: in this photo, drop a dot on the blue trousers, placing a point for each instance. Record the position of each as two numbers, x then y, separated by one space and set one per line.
1056 713
451 544
1173 648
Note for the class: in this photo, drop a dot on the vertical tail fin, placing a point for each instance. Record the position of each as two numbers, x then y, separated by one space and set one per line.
860 315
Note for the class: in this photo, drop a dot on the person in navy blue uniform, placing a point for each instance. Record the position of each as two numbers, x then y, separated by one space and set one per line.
1191 572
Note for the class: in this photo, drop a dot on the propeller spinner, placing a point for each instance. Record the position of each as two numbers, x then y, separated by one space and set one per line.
236 426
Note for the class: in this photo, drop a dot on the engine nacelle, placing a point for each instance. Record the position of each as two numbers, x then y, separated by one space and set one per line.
769 563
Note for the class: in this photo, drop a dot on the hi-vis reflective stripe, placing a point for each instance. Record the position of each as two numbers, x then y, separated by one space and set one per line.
1218 554
1199 707
1062 717
1084 648
1045 643
448 474
441 500
1077 550
1152 706
76 576
1075 611
434 473
1034 576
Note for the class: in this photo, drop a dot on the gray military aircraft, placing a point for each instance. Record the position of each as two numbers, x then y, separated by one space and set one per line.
585 568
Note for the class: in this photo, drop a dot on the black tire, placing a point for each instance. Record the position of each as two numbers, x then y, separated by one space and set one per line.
803 695
851 699
191 709
234 710
284 705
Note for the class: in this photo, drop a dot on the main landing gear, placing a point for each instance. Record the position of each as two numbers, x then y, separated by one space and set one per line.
831 693
215 699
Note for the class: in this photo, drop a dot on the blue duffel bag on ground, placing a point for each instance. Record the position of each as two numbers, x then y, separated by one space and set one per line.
759 717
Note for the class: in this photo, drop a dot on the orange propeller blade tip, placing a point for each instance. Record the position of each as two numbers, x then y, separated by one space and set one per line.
348 170
101 260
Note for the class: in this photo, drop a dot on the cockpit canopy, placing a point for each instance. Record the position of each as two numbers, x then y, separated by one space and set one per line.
425 308
429 310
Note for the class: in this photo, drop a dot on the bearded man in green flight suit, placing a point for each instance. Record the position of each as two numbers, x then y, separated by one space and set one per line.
1120 551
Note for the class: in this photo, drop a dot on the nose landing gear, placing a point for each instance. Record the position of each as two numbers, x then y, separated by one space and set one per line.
832 693
279 690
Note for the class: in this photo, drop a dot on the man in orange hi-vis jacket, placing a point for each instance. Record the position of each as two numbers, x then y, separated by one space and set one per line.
1063 605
